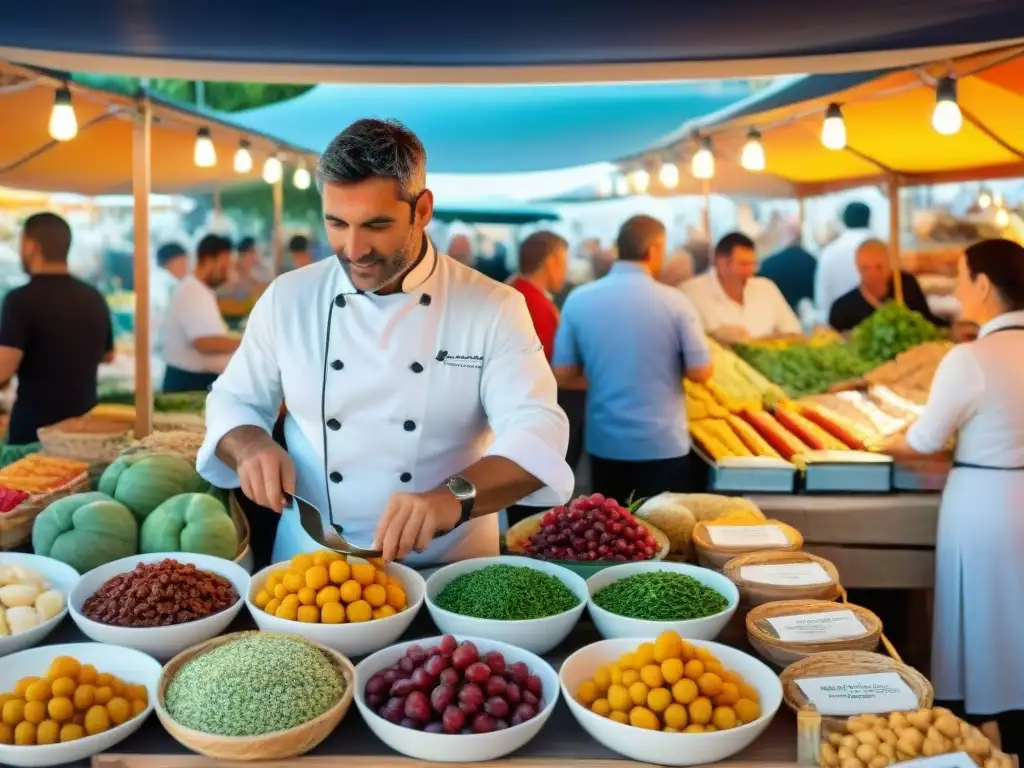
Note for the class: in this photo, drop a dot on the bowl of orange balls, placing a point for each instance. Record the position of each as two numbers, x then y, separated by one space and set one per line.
352 605
670 701
64 703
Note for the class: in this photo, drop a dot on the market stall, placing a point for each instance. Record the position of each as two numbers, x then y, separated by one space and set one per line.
578 583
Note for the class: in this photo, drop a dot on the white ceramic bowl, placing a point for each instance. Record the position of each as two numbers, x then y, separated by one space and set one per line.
59 576
350 639
160 642
535 635
613 625
128 664
669 748
446 748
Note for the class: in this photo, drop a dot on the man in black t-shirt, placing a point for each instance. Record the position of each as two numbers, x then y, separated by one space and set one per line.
54 333
876 288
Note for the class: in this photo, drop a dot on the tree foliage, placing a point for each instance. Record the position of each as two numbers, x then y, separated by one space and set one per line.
224 97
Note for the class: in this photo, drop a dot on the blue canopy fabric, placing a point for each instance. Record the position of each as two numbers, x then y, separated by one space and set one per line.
502 129
494 212
462 36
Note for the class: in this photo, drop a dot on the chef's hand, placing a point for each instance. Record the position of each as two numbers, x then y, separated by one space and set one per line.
264 468
411 520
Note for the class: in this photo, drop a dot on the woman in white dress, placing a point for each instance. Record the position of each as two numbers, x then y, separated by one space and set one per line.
977 398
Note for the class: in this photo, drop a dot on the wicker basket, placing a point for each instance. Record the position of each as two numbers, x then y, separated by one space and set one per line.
840 663
783 653
244 557
93 447
279 745
711 555
16 525
753 593
183 442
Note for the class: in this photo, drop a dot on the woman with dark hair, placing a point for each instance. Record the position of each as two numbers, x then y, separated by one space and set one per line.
979 566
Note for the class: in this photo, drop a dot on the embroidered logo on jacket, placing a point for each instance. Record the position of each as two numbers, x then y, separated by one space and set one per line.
459 361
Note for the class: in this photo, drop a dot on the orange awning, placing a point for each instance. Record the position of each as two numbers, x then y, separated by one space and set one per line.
888 129
99 159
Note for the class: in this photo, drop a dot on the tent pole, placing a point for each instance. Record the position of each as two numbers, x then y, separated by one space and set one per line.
278 237
216 200
706 191
141 180
892 183
800 218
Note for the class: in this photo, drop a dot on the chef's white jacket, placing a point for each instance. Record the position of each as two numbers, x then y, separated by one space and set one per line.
392 393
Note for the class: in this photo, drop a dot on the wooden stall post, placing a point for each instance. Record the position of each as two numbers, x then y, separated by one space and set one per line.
892 183
142 139
278 231
706 191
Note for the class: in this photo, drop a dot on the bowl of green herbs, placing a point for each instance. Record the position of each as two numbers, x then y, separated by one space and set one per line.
528 603
645 599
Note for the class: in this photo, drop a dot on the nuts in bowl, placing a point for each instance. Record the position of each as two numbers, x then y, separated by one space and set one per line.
160 603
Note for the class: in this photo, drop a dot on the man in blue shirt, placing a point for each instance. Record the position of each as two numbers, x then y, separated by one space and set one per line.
630 340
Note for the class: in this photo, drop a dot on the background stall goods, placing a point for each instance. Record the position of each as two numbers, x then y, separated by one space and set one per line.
592 528
255 685
670 686
325 587
804 369
890 330
143 481
506 593
72 701
874 741
450 688
10 499
660 596
159 595
26 599
38 474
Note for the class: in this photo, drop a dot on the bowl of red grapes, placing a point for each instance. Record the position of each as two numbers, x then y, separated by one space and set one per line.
448 699
588 534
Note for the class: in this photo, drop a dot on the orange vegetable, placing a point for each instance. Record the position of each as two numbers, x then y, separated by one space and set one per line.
838 426
813 435
780 438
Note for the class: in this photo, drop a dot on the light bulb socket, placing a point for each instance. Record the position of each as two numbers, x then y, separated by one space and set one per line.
245 144
62 97
754 135
834 112
705 143
945 90
203 133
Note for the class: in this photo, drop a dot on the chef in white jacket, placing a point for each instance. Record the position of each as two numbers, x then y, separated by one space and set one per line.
419 401
979 559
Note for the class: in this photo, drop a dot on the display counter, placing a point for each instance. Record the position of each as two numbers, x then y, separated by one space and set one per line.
562 742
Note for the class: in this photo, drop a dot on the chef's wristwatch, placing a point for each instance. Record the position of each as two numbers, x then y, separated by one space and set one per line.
465 492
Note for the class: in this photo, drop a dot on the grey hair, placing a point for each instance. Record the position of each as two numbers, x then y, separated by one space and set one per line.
872 243
637 236
375 148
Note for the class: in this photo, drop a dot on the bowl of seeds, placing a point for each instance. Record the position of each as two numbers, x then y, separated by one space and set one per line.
254 696
528 603
645 599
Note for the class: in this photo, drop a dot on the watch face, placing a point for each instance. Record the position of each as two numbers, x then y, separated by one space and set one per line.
461 487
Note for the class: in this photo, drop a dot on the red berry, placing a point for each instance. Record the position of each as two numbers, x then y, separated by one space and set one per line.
496 662
494 706
448 645
442 697
596 498
453 720
417 706
471 698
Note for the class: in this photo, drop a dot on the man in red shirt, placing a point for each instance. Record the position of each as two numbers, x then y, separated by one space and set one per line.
543 261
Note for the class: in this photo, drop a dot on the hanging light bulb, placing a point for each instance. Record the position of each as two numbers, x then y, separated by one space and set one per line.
639 180
272 170
301 178
205 154
997 200
621 186
63 123
984 200
605 187
669 175
703 164
753 158
946 117
243 158
833 130
1002 218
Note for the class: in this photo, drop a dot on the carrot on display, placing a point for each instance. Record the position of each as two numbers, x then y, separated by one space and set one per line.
805 429
781 439
836 425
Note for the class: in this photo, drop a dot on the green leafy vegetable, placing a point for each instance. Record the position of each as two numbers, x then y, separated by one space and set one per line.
506 593
890 330
806 369
660 596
